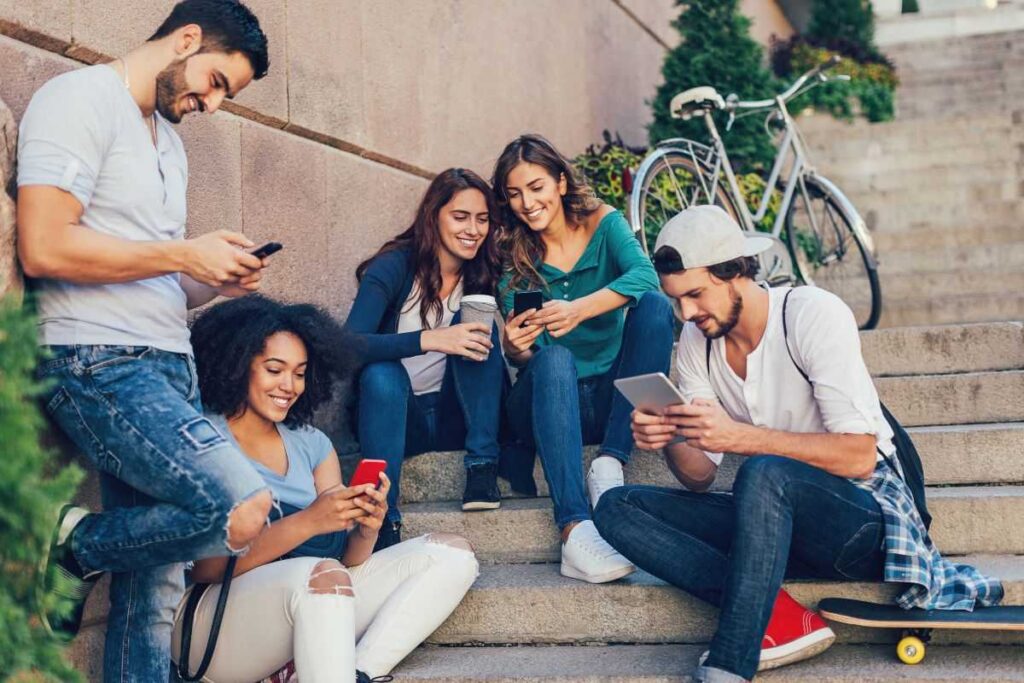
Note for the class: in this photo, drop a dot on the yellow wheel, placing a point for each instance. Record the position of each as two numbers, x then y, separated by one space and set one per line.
910 650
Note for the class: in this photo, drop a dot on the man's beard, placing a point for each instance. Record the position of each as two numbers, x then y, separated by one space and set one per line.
170 86
726 327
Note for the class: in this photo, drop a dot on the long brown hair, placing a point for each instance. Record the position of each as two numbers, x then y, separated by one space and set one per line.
423 238
521 247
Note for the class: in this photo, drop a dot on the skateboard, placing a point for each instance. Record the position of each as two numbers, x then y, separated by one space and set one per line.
917 624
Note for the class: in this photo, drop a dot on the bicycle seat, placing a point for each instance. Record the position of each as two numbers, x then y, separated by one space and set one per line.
688 102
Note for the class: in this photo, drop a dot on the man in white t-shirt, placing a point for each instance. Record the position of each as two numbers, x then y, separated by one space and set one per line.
102 179
771 371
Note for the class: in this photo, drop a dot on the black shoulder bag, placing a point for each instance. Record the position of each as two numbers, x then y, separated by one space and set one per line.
910 469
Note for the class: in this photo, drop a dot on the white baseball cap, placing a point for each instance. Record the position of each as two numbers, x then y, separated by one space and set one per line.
706 236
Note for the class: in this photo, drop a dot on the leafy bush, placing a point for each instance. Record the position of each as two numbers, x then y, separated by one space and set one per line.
910 6
31 492
840 24
716 50
609 170
872 84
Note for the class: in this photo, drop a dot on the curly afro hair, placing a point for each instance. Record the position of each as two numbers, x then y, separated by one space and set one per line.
226 337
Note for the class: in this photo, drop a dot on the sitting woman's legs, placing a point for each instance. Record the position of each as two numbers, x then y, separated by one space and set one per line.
544 409
384 398
473 388
403 593
646 348
300 608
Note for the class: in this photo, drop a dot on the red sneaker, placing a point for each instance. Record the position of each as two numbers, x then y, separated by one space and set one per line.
794 633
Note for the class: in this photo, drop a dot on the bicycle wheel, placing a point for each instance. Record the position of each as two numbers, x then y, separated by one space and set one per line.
829 253
669 181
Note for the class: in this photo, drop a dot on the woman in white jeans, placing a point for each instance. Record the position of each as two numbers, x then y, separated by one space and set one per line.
264 367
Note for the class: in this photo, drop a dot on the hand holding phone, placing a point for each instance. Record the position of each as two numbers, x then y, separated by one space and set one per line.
524 301
267 249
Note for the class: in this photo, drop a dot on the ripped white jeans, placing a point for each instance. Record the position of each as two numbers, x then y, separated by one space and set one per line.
329 619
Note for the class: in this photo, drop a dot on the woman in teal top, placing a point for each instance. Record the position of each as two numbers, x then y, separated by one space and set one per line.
581 254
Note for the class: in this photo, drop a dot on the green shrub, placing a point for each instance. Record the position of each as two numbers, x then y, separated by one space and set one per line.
910 6
843 22
716 50
609 168
31 492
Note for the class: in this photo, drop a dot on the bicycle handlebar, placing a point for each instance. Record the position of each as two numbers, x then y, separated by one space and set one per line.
733 103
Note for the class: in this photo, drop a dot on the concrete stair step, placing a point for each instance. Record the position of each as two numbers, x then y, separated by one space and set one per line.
965 398
896 234
990 257
898 285
969 519
952 309
942 349
952 455
533 603
830 135
939 214
675 663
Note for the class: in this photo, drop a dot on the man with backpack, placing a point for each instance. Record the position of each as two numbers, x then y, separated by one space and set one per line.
779 372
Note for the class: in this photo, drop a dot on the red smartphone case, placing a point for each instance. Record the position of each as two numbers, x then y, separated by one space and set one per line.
368 472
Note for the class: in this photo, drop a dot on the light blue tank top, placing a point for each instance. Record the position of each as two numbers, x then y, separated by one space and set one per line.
306 447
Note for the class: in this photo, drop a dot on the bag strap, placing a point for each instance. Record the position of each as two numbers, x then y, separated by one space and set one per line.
218 615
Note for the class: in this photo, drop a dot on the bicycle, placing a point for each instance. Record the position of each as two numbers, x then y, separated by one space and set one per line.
827 242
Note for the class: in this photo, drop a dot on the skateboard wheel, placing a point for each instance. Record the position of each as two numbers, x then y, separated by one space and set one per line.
910 650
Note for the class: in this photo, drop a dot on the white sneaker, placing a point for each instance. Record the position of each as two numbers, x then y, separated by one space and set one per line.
588 557
605 473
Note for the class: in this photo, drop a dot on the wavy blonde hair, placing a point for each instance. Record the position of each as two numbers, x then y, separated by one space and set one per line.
522 248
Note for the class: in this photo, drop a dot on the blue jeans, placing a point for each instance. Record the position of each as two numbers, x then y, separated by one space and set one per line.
465 414
169 480
784 518
552 410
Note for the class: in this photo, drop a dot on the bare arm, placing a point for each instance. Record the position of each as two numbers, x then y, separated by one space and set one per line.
53 244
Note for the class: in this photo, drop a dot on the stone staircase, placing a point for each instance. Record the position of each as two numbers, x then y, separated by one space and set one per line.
941 187
960 390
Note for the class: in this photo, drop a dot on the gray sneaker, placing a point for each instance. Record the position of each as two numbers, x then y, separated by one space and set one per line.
60 577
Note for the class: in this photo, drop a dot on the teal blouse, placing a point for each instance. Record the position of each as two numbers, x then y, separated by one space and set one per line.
613 259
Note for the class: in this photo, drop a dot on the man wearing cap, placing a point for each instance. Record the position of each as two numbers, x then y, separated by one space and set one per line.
770 371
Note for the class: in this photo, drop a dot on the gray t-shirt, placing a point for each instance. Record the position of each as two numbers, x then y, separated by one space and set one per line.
84 133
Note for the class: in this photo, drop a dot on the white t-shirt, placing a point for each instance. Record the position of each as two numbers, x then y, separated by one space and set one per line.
426 371
83 132
825 342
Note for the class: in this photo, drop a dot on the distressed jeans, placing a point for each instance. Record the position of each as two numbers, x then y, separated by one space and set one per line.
168 480
784 518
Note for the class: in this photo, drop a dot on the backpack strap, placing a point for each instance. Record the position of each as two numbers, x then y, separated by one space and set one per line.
785 337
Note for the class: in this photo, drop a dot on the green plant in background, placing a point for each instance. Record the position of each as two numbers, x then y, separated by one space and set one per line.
752 187
910 6
31 492
716 50
608 169
844 28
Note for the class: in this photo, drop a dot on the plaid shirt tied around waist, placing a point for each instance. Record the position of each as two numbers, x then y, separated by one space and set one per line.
911 557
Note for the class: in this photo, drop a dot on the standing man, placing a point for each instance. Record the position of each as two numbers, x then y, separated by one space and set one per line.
775 371
101 225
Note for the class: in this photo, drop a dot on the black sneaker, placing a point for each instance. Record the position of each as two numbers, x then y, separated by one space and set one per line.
61 577
390 534
365 678
481 488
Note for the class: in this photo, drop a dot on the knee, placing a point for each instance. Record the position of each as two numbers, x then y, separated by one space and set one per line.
459 557
655 308
248 519
451 540
554 362
609 508
382 381
329 577
762 474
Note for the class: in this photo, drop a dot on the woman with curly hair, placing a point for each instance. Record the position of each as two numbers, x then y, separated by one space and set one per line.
558 238
432 382
308 589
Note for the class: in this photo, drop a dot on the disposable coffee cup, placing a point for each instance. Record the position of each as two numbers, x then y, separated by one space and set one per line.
479 308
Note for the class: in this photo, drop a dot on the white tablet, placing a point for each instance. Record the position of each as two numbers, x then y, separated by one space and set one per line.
650 393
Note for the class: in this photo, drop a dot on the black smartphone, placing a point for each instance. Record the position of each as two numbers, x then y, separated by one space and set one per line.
267 249
524 301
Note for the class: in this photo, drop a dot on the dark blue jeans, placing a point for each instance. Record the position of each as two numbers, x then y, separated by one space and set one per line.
552 410
168 478
783 519
395 424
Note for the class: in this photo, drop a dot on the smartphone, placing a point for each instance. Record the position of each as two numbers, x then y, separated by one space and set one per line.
368 472
524 301
267 249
